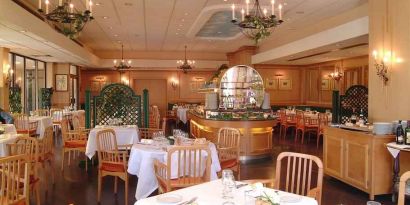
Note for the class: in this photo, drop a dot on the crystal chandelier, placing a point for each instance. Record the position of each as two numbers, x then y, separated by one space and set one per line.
185 64
257 23
66 18
122 64
336 74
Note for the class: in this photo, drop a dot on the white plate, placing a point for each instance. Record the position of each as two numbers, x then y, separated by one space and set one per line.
290 199
169 198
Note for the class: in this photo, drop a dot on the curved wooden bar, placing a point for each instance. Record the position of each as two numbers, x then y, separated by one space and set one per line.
256 139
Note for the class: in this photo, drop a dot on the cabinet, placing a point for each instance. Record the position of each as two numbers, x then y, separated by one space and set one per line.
358 159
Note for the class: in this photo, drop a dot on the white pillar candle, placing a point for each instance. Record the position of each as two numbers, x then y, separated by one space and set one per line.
233 11
273 7
243 14
280 11
39 4
47 2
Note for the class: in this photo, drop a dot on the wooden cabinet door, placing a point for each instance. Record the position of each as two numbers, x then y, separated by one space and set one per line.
357 163
333 159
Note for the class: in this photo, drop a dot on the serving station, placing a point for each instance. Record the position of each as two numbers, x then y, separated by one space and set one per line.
239 101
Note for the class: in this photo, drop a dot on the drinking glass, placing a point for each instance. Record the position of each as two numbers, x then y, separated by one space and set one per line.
228 182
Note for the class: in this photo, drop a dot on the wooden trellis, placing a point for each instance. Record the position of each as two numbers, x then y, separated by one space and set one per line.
355 99
117 101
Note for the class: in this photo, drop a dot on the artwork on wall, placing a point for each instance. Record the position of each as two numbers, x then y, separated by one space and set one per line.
95 86
196 85
325 85
61 81
271 84
285 84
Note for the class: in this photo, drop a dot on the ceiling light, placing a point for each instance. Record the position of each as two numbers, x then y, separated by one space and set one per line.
119 42
23 31
176 33
110 27
219 32
182 20
185 64
105 17
98 4
180 25
122 64
186 14
115 35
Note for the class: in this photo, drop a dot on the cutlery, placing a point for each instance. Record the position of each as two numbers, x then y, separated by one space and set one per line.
189 201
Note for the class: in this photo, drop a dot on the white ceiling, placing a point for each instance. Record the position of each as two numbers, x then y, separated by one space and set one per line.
163 25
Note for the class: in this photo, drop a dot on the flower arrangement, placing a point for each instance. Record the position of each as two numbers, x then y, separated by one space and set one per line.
267 196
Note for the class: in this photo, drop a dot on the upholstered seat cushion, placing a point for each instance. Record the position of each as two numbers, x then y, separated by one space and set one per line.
32 131
229 163
112 167
75 143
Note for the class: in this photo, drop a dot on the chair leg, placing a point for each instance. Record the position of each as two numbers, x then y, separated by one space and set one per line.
86 163
69 158
99 186
37 188
126 189
62 160
52 171
317 140
303 136
115 185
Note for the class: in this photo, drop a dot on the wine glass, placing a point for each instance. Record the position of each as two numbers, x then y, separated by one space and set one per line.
228 182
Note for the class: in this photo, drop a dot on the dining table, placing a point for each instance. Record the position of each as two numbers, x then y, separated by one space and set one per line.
210 193
182 114
141 164
125 135
8 128
43 123
7 139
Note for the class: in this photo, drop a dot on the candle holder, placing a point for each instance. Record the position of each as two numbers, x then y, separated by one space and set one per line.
381 70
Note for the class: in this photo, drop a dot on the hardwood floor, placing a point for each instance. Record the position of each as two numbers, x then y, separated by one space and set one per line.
75 186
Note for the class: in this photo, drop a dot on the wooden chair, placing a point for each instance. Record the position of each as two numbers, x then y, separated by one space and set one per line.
28 146
402 188
323 122
57 115
112 162
191 161
15 180
46 146
287 121
146 133
299 175
266 182
79 128
42 112
24 126
72 141
228 146
305 124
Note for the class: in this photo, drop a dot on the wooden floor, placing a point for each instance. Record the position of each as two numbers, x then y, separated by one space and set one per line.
75 186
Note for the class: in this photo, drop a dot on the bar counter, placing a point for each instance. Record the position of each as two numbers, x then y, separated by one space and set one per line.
256 139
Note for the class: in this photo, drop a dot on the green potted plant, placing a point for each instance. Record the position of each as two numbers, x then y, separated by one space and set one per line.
15 99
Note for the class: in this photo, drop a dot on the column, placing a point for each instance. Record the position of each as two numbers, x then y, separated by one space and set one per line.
4 67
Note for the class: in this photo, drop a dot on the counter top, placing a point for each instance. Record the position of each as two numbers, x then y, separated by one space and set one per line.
233 119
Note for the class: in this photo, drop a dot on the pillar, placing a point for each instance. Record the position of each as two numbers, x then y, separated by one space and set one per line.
4 68
389 30
243 56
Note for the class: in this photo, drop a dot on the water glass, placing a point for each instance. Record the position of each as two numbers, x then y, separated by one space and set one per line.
228 182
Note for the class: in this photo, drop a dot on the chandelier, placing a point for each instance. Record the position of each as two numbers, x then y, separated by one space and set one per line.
66 18
185 64
122 64
336 74
257 23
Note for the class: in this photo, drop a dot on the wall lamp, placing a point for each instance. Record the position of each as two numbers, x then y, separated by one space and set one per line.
381 61
174 83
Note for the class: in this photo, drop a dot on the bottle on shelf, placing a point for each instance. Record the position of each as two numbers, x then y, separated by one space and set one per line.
407 135
399 134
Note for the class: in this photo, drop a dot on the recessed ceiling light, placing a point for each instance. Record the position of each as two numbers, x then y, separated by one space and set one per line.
110 27
186 14
119 41
115 35
176 33
105 17
23 31
182 20
180 25
178 29
285 4
219 32
98 4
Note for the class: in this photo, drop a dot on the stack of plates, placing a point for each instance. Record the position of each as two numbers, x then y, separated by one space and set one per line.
382 128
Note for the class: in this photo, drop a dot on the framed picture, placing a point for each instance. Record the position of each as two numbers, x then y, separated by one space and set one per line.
325 85
285 84
196 85
61 83
271 84
95 86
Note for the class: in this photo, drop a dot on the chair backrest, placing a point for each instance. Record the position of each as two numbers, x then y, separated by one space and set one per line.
14 172
64 130
402 188
46 144
146 133
22 123
25 145
107 147
228 144
300 119
193 165
56 114
42 112
323 120
81 117
299 173
76 123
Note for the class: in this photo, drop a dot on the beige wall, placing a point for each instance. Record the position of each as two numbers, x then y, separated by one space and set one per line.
60 98
4 63
389 30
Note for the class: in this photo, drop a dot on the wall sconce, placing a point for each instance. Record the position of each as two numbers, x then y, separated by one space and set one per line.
125 81
380 62
174 83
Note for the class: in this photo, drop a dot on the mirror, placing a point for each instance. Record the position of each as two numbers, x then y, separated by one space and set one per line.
241 87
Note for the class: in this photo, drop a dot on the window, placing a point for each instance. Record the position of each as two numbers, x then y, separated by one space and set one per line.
30 75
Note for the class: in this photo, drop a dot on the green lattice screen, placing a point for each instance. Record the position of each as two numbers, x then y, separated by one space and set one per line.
117 101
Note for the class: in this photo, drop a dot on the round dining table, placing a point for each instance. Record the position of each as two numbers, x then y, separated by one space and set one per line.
141 164
43 123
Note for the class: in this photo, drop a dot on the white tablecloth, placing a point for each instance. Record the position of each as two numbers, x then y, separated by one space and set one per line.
4 140
141 164
395 149
182 114
43 123
125 135
210 193
8 128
